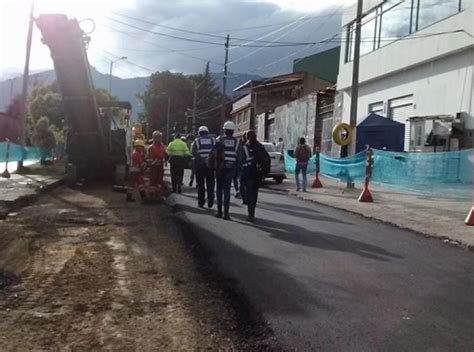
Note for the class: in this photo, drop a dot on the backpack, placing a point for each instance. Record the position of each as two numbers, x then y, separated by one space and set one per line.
304 154
261 161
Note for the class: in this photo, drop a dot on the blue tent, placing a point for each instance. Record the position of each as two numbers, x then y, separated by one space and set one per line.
380 132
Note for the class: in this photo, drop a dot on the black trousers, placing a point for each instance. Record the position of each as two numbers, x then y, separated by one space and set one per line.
251 194
205 182
177 172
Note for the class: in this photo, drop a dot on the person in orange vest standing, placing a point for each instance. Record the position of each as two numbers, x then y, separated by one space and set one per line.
137 168
156 159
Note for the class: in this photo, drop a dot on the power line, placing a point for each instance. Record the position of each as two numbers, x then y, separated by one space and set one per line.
162 34
202 33
163 47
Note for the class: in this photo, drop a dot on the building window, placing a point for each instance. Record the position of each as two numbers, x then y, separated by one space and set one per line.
400 109
377 108
395 19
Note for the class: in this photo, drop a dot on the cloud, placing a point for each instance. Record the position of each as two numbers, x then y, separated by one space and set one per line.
240 19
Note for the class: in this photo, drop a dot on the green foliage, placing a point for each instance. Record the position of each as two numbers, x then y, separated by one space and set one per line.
43 137
180 88
47 101
103 96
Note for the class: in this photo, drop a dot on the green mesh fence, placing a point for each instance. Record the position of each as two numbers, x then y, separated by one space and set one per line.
18 152
444 174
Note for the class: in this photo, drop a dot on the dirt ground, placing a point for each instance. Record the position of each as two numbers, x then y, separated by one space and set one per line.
82 270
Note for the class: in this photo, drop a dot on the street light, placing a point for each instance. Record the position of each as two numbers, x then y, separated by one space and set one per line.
110 76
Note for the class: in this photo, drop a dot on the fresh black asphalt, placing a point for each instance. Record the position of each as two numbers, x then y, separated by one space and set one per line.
328 280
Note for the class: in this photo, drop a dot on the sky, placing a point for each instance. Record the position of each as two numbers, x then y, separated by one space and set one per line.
115 35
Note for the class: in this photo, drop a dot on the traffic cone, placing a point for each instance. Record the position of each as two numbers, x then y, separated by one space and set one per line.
470 217
365 196
317 183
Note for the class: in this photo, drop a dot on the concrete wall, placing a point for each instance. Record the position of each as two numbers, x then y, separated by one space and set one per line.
295 120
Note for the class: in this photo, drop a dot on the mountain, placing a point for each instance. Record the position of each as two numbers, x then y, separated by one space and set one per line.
125 89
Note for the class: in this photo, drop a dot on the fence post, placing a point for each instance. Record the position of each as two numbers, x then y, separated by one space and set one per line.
5 173
365 196
317 183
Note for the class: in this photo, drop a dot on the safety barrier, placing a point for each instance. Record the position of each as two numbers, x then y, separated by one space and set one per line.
446 174
18 152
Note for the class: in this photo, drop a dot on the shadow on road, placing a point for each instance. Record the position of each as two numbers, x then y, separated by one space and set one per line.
301 236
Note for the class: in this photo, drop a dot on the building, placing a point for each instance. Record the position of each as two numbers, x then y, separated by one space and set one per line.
417 61
263 96
9 128
324 65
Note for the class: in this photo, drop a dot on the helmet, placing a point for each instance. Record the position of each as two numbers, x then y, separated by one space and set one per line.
203 129
229 125
139 143
183 138
156 134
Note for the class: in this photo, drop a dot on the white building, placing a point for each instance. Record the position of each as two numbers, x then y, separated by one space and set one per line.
417 59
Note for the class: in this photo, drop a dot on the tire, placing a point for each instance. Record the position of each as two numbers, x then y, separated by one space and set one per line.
279 179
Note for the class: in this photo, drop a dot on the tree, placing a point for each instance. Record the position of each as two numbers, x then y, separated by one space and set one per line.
208 97
178 88
44 138
47 101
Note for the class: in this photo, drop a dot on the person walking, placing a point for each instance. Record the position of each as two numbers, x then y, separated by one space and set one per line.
256 165
201 149
190 141
240 163
302 156
178 153
156 159
280 146
224 162
136 171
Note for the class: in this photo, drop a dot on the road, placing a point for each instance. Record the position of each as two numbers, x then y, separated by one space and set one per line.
82 270
328 280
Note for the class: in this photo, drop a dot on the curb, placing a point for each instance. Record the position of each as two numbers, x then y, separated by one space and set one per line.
445 239
8 206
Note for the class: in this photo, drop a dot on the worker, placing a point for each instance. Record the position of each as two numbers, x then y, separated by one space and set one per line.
156 159
178 153
226 166
255 167
201 149
240 188
189 141
136 171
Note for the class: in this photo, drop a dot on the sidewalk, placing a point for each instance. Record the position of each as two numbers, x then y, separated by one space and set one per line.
433 217
20 190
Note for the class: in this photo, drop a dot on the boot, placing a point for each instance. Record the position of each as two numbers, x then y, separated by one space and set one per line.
219 213
226 216
210 203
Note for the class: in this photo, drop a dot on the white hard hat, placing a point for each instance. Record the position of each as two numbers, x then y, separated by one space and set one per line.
229 125
203 129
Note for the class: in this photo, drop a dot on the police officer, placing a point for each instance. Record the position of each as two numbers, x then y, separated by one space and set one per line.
226 171
256 164
201 149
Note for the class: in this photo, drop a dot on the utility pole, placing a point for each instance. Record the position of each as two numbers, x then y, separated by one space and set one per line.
224 79
11 89
194 106
26 71
355 72
350 149
168 120
110 73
